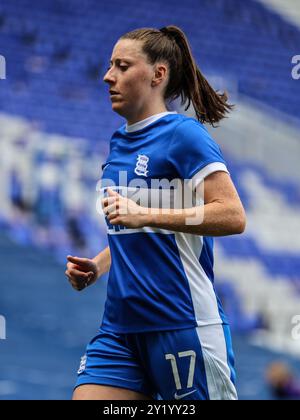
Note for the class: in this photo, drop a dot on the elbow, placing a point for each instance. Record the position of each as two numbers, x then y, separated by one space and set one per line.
240 227
236 220
240 223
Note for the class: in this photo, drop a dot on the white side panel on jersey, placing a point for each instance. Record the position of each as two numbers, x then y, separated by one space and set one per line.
190 248
201 288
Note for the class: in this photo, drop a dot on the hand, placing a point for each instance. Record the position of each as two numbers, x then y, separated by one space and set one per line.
81 272
120 210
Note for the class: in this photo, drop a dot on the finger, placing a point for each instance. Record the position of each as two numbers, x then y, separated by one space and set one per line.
113 215
112 192
79 285
74 283
79 275
71 265
84 268
72 270
82 284
107 200
77 260
115 220
112 209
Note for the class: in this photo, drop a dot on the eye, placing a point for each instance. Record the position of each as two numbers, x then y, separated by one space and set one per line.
123 68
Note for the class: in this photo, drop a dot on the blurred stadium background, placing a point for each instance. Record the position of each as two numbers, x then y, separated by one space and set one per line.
55 126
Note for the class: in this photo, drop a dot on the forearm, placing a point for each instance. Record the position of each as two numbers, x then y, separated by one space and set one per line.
103 261
213 219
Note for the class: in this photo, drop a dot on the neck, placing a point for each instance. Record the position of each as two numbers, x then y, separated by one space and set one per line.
145 113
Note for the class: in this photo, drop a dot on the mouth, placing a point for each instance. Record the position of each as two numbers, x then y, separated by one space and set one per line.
113 93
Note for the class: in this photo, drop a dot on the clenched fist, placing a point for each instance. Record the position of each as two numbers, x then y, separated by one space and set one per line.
81 272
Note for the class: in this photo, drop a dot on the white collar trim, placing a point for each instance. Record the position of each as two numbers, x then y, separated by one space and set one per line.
142 124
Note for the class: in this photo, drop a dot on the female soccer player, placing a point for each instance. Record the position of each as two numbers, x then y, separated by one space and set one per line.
164 334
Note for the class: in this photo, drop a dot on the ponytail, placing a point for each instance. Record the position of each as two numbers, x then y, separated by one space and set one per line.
169 44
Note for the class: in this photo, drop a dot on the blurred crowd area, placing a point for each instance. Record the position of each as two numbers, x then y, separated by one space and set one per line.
48 189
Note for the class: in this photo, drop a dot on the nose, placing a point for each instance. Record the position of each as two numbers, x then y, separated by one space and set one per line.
109 77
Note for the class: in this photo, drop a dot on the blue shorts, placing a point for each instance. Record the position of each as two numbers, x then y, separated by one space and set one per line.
188 364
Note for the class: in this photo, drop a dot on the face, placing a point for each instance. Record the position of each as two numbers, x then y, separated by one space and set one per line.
130 78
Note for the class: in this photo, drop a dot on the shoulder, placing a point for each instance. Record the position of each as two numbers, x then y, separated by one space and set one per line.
184 122
189 134
191 149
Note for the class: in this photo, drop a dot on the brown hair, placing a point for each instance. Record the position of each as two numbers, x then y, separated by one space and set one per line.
170 45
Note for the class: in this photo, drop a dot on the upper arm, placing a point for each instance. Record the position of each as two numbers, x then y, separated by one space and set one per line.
218 187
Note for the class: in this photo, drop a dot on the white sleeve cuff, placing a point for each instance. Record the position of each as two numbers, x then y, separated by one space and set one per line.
208 170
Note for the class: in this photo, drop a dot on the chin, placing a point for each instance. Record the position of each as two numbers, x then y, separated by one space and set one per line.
117 107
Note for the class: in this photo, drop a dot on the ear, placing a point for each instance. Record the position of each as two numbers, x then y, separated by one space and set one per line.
160 74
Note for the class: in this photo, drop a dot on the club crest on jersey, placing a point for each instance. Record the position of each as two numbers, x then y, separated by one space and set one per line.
142 165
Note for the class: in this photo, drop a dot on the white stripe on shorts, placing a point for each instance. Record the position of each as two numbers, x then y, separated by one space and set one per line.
213 344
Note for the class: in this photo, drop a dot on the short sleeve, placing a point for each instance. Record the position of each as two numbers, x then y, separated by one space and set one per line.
192 152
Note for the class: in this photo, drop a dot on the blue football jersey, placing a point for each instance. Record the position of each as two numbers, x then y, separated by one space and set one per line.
159 279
